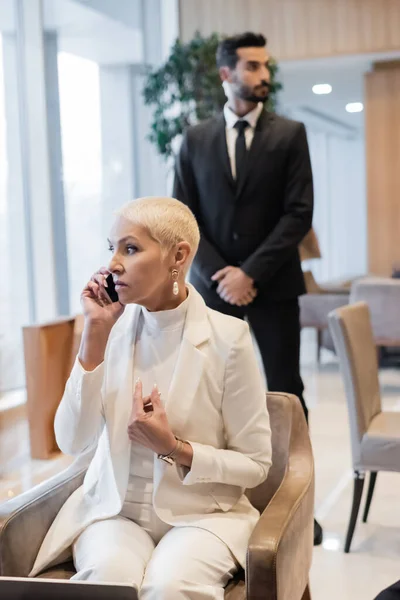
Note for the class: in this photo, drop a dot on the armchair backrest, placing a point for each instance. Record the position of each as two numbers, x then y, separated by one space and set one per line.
291 446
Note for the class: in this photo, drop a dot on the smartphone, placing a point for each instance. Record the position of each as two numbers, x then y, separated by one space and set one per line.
111 291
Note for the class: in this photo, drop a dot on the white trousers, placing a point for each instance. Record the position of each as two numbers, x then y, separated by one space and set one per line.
188 564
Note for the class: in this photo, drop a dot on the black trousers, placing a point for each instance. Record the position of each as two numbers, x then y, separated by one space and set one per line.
391 593
276 327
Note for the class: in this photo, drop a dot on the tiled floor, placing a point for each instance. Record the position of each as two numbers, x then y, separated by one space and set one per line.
374 561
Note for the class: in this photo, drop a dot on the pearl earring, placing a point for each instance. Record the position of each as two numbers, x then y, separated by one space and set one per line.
175 286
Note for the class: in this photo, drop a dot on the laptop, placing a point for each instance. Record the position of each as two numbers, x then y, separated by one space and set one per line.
26 588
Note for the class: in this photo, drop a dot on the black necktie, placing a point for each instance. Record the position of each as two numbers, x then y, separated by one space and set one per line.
241 150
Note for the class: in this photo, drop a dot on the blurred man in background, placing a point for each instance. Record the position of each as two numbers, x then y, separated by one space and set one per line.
246 175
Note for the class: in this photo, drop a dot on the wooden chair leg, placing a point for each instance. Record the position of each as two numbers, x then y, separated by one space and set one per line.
371 488
359 479
307 594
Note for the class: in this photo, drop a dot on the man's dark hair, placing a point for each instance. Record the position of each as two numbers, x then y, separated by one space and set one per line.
226 52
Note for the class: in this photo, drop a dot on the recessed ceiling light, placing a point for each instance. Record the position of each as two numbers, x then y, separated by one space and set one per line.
322 88
354 107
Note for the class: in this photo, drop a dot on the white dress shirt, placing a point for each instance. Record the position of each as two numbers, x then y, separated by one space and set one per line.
158 341
231 133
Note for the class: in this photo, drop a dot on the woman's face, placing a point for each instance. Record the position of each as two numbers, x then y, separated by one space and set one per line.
141 271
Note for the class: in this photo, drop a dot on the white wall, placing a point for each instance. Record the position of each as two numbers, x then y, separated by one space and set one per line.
340 214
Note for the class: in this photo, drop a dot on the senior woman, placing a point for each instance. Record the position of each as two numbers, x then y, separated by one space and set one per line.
169 396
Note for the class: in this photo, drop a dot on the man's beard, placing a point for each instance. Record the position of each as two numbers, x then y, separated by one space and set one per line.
250 95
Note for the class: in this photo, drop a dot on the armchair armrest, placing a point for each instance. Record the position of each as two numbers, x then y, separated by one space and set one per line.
25 520
280 548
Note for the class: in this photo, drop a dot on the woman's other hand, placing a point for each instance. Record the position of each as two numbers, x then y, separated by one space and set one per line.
148 424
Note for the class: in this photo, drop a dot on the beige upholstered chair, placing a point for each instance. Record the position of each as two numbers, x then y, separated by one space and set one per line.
375 435
280 549
317 303
309 246
320 300
382 295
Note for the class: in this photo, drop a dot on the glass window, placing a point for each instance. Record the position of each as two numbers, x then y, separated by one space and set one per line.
14 297
81 149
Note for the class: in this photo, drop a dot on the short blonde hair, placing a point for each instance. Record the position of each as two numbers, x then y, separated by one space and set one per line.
167 220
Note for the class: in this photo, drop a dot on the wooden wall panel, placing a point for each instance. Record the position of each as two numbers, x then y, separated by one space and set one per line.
299 29
382 128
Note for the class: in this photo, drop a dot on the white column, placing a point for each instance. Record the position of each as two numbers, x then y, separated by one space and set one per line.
151 168
56 172
169 11
117 135
131 166
160 28
37 169
152 31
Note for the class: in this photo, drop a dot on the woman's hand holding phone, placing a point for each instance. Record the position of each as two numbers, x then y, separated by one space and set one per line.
100 306
101 314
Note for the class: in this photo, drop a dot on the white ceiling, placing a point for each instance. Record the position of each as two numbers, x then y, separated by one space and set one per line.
85 30
127 12
106 31
346 76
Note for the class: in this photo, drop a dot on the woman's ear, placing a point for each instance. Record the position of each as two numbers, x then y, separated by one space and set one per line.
182 254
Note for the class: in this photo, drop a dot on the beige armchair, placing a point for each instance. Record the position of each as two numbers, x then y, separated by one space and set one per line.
280 549
375 435
316 305
382 295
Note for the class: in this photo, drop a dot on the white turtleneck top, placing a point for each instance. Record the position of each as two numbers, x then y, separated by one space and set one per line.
157 344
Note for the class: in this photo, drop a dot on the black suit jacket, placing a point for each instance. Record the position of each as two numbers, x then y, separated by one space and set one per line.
259 224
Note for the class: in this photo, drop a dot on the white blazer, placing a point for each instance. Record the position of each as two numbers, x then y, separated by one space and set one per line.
216 402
